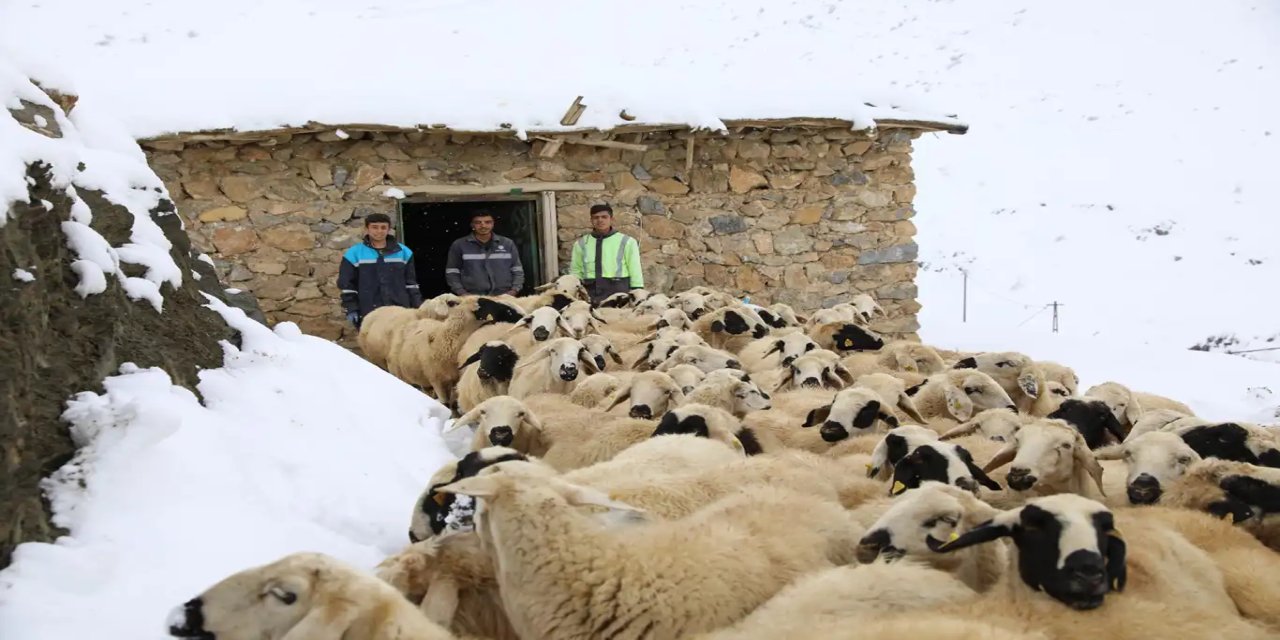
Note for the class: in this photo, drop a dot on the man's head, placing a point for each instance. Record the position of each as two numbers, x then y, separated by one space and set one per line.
601 218
377 226
482 224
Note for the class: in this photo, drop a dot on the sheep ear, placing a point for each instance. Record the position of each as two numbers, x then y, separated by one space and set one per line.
475 486
650 337
978 535
538 356
958 404
588 361
776 348
1109 452
1116 570
597 318
466 419
613 355
544 287
977 473
1133 412
888 419
619 396
532 420
802 319
845 374
817 416
564 326
474 358
962 430
1003 456
580 496
1029 384
787 380
833 377
1084 459
908 406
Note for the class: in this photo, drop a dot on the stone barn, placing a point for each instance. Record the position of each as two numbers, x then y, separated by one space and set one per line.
806 211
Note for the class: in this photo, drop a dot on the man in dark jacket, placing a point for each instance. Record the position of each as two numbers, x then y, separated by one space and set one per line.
377 272
484 263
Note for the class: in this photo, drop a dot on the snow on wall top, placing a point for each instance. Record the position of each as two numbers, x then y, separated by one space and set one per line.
88 152
167 66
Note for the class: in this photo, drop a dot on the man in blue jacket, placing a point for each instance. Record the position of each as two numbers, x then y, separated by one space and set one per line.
484 263
377 272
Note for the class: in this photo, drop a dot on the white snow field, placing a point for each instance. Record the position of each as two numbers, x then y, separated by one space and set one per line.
1118 163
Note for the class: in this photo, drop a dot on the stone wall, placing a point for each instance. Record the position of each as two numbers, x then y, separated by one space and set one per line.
802 216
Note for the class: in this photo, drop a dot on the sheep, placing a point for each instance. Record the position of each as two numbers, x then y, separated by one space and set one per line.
831 315
651 393
818 369
435 512
734 395
1122 402
771 351
504 421
574 446
302 595
701 583
1240 493
1092 418
433 362
900 355
933 513
945 462
652 305
997 425
1018 375
706 358
894 392
894 446
673 319
377 331
851 412
567 284
692 304
553 299
1239 441
843 337
954 396
495 363
1060 374
437 308
594 389
1154 460
688 376
862 602
600 348
1159 419
580 319
1068 550
657 351
730 328
544 323
1047 457
552 368
866 306
785 313
452 581
624 299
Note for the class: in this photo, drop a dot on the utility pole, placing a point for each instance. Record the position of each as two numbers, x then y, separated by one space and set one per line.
1056 304
964 305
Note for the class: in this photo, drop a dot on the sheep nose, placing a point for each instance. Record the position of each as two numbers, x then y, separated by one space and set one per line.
870 545
600 362
568 372
967 363
1144 489
413 537
187 621
811 382
541 334
501 436
733 364
786 362
1020 478
833 432
641 411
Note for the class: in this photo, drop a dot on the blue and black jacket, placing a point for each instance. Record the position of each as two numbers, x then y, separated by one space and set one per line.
370 278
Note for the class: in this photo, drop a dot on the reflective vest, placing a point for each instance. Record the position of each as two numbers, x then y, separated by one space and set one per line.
619 258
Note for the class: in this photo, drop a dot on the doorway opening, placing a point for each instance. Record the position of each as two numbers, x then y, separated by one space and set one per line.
429 227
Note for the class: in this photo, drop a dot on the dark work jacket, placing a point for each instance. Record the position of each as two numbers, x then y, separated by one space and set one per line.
483 269
370 278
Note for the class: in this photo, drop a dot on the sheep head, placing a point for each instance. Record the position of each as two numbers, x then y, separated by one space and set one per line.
994 424
601 347
845 336
434 511
941 462
895 446
1120 399
703 357
791 346
498 422
497 361
851 411
1049 453
490 311
563 355
737 321
818 369
1233 441
921 520
1067 546
967 392
651 393
543 323
1154 459
706 421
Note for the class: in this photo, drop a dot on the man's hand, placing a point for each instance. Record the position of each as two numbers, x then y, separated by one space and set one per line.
354 318
512 292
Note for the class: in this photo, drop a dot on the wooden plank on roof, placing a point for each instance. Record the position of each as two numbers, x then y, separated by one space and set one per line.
607 144
514 187
575 111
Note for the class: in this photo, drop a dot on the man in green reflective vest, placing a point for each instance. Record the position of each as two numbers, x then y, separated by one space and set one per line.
606 261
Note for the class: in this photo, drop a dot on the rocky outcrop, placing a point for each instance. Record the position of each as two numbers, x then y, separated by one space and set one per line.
54 342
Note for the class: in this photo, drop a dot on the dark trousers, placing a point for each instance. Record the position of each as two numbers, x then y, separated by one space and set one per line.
601 288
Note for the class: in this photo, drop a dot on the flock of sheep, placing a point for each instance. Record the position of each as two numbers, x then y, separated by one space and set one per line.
691 466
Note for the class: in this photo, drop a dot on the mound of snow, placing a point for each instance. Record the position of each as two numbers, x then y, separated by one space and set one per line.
295 444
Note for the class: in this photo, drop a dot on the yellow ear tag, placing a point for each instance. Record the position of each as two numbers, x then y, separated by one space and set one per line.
898 487
848 342
868 465
1229 517
488 316
1116 532
439 498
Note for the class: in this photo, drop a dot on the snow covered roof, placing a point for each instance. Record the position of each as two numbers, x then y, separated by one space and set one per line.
166 67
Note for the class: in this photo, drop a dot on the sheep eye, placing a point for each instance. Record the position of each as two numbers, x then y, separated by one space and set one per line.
810 347
1004 363
1065 446
970 390
520 415
997 438
1184 459
287 597
482 413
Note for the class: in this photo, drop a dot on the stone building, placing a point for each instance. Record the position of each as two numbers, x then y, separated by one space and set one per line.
803 211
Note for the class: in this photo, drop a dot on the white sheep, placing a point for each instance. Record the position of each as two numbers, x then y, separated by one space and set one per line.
687 376
702 582
899 355
894 392
651 393
595 388
437 308
735 395
1049 457
1158 419
601 350
378 331
706 358
555 367
946 399
769 352
1154 460
302 595
433 362
817 369
567 284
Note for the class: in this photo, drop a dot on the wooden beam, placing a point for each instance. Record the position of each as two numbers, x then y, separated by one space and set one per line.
608 144
575 111
688 155
488 189
550 147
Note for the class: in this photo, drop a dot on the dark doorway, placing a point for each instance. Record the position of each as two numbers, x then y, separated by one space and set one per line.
428 228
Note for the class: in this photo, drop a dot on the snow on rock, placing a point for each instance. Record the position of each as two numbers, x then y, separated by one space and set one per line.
393 192
143 289
92 278
22 275
299 445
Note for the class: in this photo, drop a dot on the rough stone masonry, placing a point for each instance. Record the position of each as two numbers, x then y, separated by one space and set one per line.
805 216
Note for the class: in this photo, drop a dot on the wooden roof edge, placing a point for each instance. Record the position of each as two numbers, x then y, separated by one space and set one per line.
256 135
